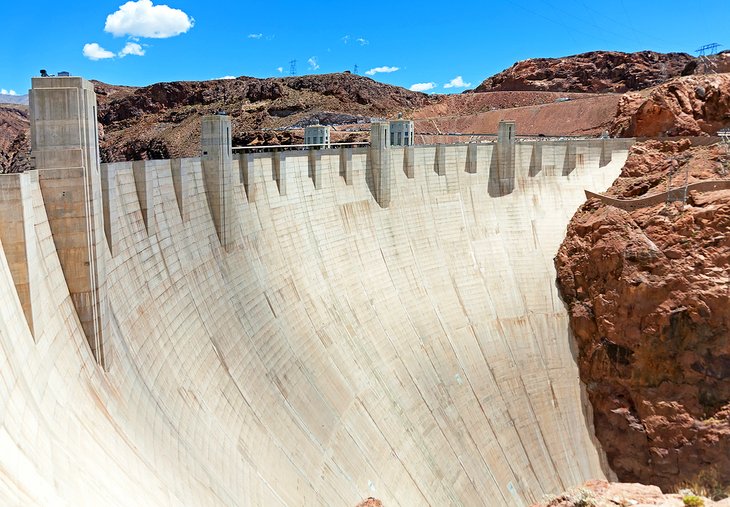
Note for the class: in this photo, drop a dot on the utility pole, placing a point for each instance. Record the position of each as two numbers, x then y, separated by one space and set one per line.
725 137
675 167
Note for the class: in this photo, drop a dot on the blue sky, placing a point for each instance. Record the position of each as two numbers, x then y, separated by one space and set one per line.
443 47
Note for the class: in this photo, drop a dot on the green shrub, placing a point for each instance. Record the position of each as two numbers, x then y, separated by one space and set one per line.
693 501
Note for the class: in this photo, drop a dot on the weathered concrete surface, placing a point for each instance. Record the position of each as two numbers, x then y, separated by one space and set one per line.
417 353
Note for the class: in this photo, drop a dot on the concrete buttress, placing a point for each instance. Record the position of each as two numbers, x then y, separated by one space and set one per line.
346 165
17 235
472 159
65 150
380 166
217 161
278 164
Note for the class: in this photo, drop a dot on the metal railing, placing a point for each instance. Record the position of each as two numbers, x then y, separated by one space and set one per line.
293 147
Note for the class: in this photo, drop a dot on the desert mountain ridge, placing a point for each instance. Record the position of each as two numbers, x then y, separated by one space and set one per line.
6 98
162 120
593 72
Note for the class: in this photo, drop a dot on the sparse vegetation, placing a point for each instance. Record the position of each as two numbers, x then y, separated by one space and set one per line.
580 497
692 500
708 484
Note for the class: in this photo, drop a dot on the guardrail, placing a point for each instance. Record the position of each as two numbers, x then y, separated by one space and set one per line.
654 199
284 147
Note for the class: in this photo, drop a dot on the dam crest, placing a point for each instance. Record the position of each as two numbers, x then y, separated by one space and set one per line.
289 328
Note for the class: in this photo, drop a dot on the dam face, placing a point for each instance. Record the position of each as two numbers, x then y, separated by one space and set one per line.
274 334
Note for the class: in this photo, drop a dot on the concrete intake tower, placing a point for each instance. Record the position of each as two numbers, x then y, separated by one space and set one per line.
292 328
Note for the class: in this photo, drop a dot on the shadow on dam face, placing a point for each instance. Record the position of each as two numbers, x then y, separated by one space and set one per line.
335 350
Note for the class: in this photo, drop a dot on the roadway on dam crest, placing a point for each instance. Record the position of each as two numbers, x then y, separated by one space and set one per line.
418 353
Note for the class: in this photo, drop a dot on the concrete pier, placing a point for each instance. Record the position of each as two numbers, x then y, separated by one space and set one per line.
278 169
536 159
606 152
217 159
315 167
143 185
502 169
65 150
472 158
409 161
439 165
246 170
180 172
380 167
346 165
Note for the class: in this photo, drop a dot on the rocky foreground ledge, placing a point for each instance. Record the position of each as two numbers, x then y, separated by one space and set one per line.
648 297
607 494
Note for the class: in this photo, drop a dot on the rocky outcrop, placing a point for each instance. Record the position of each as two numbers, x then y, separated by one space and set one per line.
608 494
596 72
648 295
686 106
14 138
716 64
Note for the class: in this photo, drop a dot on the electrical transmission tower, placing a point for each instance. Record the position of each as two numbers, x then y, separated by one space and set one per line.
708 49
354 71
293 68
708 65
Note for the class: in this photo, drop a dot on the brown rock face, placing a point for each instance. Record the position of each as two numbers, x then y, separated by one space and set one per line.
686 106
596 72
163 120
694 105
14 138
648 294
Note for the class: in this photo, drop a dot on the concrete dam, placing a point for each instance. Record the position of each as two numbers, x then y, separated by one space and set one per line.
303 328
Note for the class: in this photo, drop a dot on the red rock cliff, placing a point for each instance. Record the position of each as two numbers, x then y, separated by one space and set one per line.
648 297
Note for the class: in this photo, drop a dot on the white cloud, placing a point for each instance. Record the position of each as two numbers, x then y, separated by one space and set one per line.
280 69
94 51
457 82
385 68
422 87
224 77
345 39
313 65
142 19
3 91
132 48
255 35
363 42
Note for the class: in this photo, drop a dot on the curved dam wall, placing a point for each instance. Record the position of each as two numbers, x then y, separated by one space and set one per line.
326 348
